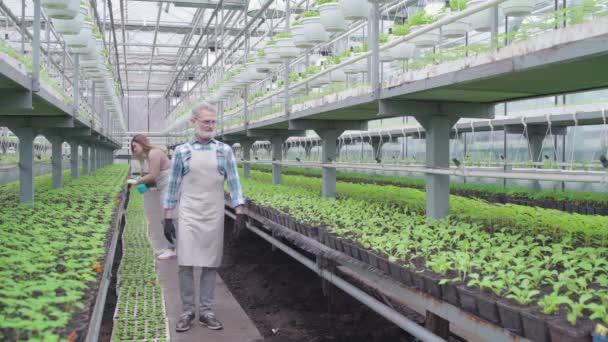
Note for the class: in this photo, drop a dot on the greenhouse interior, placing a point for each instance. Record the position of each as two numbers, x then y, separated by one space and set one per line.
304 170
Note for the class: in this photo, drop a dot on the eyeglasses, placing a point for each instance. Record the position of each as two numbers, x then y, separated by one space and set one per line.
205 122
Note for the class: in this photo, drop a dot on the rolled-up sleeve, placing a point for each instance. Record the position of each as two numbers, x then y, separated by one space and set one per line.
232 177
175 180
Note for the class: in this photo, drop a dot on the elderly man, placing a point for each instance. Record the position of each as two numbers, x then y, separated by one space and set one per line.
199 168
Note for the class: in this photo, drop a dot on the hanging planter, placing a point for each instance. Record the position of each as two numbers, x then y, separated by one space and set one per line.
271 52
69 26
355 9
419 20
68 10
285 47
481 21
517 8
331 15
299 37
458 28
337 76
428 39
401 51
82 39
357 67
313 30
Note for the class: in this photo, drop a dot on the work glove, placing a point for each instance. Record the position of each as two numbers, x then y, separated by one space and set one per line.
131 181
240 224
169 230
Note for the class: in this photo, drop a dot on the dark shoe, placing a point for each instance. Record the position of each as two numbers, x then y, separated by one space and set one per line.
210 321
185 322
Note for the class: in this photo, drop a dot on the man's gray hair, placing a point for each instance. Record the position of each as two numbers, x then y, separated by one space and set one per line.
205 107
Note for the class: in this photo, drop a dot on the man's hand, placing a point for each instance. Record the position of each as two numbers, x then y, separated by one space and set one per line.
131 181
241 210
169 230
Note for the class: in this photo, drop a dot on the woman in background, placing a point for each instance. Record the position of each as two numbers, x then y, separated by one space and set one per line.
158 171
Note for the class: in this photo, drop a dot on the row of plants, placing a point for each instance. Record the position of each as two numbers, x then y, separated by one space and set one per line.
52 254
591 203
587 230
533 282
140 312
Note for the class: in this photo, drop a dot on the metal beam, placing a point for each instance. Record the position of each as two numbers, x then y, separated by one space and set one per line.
431 108
346 125
268 133
15 101
36 121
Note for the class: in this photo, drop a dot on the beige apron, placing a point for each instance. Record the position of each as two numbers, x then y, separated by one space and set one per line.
200 237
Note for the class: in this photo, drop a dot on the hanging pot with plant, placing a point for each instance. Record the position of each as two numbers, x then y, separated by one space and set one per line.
359 66
285 47
272 55
68 9
299 35
81 40
418 21
458 28
482 20
517 8
313 30
354 9
404 50
331 14
69 26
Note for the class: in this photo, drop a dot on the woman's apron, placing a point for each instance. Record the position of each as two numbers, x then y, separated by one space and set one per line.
200 237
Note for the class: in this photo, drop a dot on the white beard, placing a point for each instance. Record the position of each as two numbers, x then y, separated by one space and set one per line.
205 134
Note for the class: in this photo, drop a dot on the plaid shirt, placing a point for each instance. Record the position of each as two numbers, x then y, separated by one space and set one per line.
180 166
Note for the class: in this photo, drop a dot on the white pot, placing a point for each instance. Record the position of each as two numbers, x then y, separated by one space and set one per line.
299 37
314 31
356 67
385 56
69 11
286 48
428 39
337 76
272 55
82 49
481 21
82 39
517 8
402 51
355 9
262 66
378 1
54 3
70 26
332 17
455 29
319 81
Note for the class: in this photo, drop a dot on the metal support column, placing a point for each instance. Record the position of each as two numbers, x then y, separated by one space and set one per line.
93 157
56 161
376 143
26 137
36 48
76 85
74 158
437 155
85 159
374 45
277 155
328 156
246 146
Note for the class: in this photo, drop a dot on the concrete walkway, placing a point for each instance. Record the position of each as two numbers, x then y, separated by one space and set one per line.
237 325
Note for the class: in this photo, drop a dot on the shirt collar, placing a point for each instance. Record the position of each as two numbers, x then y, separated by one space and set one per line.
195 141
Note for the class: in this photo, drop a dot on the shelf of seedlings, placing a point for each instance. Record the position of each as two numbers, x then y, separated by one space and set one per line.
56 255
140 313
586 203
536 273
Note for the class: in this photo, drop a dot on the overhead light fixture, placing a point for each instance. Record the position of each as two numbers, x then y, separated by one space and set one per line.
274 11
